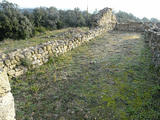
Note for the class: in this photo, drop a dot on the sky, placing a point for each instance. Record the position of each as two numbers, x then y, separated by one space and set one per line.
140 8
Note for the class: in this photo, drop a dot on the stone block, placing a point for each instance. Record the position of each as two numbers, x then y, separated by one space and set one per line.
4 83
7 111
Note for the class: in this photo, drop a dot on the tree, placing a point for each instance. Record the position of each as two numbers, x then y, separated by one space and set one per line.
46 17
29 14
39 16
126 17
80 20
74 18
52 18
13 24
88 18
23 23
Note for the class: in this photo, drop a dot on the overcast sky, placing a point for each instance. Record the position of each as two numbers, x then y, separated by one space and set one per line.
140 8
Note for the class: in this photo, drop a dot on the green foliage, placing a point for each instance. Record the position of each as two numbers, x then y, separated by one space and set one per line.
74 18
51 18
26 63
34 88
13 24
39 30
24 23
46 17
126 17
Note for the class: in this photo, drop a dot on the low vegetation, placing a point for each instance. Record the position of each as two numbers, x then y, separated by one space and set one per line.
110 78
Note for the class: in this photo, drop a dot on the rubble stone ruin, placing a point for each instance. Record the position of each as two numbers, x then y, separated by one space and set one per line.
105 20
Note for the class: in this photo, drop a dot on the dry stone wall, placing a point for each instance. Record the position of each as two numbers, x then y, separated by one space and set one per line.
134 26
131 26
104 17
152 38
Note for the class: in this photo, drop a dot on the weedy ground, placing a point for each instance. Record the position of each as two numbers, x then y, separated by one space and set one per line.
109 78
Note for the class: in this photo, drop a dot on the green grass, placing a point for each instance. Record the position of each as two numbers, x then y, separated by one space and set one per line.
9 44
110 78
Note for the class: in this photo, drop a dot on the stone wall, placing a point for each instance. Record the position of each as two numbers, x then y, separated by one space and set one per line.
134 26
152 38
17 62
158 25
131 26
7 111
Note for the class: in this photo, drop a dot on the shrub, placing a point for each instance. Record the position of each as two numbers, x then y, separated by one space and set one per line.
13 24
40 29
26 63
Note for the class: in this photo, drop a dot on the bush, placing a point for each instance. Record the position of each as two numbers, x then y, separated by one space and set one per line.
40 29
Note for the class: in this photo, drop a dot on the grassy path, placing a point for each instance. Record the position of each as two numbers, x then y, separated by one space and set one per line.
109 78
